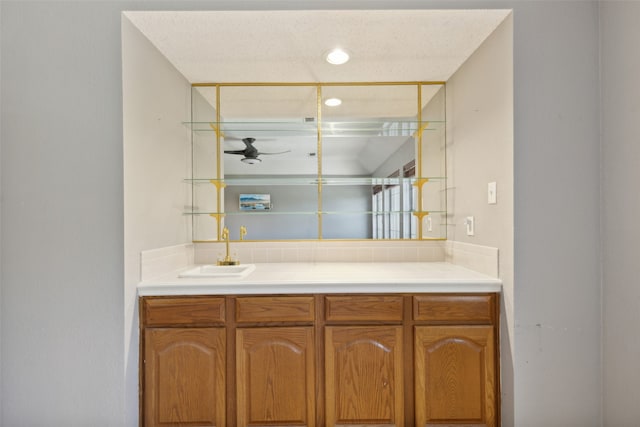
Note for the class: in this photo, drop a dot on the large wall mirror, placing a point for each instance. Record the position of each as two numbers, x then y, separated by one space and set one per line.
319 161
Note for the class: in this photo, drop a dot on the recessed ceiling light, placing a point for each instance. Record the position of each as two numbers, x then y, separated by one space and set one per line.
333 102
337 56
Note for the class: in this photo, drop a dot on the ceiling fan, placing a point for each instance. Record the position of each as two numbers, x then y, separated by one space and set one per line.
250 153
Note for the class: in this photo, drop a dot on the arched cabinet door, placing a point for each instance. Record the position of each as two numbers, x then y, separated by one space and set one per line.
184 377
455 376
364 376
275 376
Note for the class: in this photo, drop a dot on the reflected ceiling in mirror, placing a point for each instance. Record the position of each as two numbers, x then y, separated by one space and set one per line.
372 122
346 172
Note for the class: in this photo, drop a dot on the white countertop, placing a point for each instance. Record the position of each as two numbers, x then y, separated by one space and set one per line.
330 277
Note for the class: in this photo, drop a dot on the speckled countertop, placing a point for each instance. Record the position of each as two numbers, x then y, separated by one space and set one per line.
347 277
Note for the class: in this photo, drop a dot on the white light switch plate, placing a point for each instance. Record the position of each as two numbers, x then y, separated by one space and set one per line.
471 226
492 193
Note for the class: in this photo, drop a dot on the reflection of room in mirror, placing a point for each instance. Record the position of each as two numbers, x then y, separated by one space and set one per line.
321 162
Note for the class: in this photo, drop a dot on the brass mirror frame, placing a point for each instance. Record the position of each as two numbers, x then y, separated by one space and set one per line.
419 182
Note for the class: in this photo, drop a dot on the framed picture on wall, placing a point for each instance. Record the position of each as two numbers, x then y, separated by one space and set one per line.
255 202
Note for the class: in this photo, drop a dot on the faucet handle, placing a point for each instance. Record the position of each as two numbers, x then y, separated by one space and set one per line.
243 232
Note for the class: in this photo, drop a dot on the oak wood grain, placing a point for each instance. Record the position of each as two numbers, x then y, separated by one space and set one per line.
184 377
374 360
454 308
183 311
364 376
275 374
378 308
455 376
275 309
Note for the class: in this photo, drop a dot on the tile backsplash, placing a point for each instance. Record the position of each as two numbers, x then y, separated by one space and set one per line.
483 259
323 251
158 262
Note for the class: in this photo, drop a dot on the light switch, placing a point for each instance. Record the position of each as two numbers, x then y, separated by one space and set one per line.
492 193
470 223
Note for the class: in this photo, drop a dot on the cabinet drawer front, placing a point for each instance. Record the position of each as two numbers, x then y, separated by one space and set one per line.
275 309
177 311
454 308
384 308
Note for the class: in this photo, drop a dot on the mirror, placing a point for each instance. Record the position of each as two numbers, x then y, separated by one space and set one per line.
372 167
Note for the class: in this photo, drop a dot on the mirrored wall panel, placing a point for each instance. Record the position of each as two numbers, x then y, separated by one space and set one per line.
318 161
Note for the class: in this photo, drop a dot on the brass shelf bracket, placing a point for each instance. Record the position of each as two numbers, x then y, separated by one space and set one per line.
420 214
423 126
420 182
218 184
217 216
217 130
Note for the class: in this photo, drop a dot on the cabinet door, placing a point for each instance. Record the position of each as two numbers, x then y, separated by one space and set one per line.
184 376
455 381
275 374
364 382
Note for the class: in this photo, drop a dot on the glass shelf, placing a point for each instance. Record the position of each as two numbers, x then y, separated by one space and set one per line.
329 128
260 212
379 212
256 212
329 181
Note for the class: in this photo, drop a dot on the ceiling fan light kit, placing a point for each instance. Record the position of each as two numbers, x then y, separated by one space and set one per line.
250 160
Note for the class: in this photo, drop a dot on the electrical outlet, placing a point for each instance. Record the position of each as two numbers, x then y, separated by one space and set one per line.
429 224
492 193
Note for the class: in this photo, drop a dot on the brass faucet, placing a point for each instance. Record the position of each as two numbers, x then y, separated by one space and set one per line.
227 259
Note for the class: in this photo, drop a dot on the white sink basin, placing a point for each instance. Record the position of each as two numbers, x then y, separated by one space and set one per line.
241 270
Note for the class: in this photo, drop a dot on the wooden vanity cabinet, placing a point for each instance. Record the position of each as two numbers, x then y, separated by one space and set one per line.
364 360
275 356
320 360
455 360
183 362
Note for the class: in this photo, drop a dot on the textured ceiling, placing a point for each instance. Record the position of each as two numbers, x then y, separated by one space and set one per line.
288 46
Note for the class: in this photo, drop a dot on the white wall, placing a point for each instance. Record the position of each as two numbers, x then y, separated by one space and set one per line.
62 202
479 151
0 232
62 240
620 65
557 214
157 159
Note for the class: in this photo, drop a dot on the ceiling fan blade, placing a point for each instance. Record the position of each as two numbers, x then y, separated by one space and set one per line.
280 152
239 138
241 152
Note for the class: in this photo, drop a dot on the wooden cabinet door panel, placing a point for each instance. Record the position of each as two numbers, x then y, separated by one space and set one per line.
275 374
455 376
364 376
184 377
